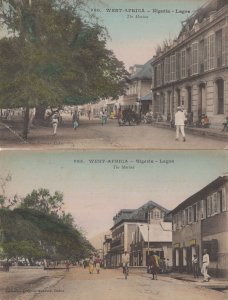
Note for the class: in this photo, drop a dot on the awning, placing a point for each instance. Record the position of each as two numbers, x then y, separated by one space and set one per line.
147 97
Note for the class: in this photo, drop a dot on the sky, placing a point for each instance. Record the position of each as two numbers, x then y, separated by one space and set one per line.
134 39
94 191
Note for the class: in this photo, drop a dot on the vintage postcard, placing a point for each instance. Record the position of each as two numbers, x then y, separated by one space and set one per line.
96 74
70 222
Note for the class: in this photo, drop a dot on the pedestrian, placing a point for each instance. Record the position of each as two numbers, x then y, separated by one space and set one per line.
55 123
125 261
91 265
75 120
195 266
98 264
180 123
102 116
89 114
67 266
105 116
205 265
154 265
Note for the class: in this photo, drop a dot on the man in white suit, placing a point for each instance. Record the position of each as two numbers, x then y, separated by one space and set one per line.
179 123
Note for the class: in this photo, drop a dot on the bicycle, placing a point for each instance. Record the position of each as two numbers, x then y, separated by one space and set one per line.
125 270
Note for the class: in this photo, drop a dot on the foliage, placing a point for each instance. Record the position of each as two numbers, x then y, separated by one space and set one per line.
53 57
34 234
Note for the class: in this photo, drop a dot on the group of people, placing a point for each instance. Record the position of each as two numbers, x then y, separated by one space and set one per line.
94 263
154 262
205 265
103 116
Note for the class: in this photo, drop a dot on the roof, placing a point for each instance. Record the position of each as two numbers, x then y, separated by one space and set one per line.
148 96
158 232
136 215
203 12
200 194
144 73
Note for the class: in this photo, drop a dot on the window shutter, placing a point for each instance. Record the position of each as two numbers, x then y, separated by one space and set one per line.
206 53
225 46
224 199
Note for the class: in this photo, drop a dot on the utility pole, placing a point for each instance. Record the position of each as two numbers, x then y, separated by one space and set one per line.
148 235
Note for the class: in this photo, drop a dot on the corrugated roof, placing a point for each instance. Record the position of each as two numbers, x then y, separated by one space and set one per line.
158 232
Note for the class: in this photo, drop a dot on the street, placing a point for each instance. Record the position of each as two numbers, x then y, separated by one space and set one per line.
92 135
111 285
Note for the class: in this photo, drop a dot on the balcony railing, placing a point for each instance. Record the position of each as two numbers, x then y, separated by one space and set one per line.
115 243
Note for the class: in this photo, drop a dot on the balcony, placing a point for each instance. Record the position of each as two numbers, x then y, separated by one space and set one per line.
115 243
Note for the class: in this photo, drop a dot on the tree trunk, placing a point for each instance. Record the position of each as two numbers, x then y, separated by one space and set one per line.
26 123
40 113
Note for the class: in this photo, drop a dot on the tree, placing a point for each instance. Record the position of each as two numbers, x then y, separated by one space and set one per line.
54 57
43 201
33 234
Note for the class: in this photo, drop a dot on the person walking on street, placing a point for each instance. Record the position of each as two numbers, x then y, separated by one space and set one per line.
98 264
206 262
125 260
75 120
179 123
195 266
55 123
154 263
91 265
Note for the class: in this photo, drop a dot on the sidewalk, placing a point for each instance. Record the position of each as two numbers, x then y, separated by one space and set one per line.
214 283
207 132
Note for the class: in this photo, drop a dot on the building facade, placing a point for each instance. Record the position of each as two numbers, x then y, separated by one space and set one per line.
155 236
192 71
139 85
125 224
201 222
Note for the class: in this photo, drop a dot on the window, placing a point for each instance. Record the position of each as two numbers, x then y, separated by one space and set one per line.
211 51
206 54
202 209
215 205
183 63
218 48
178 65
167 69
174 223
186 215
190 219
183 218
158 77
225 46
201 56
194 58
189 61
209 200
156 214
223 194
194 213
173 67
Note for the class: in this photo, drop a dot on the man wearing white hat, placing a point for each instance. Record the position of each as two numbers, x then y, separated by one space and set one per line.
179 123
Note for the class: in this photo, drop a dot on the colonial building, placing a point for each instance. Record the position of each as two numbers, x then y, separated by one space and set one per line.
125 224
155 236
106 250
201 222
193 70
139 85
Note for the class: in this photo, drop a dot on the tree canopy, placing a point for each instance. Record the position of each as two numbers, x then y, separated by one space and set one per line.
54 57
37 227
